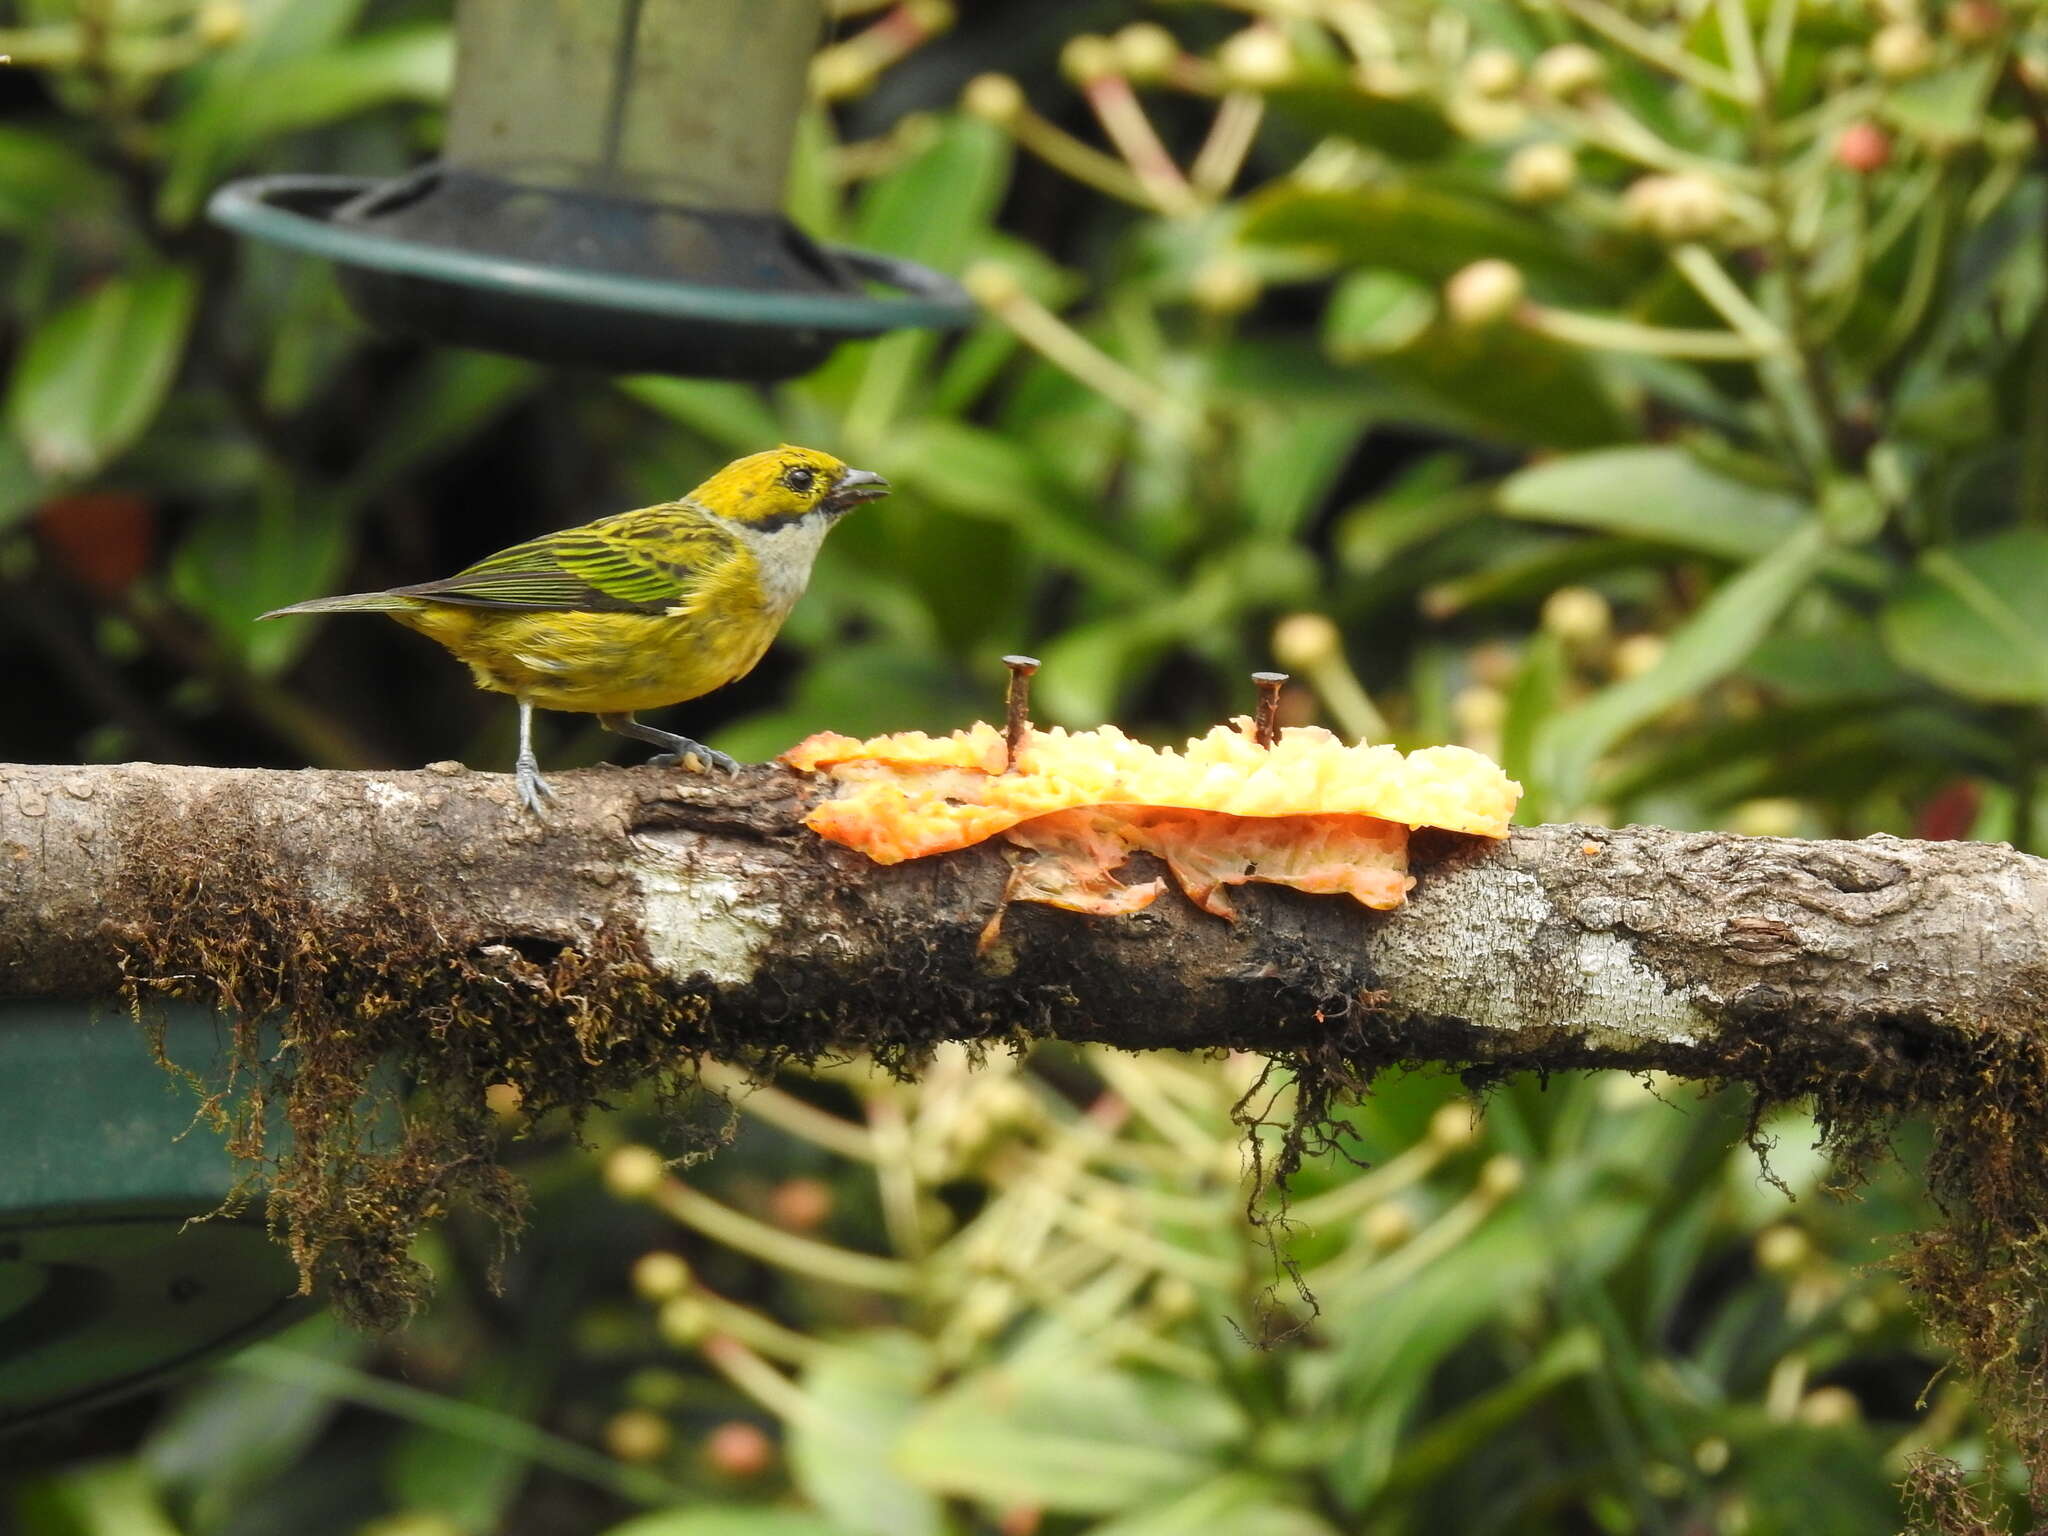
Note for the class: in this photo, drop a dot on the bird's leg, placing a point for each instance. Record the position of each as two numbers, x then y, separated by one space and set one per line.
674 749
533 789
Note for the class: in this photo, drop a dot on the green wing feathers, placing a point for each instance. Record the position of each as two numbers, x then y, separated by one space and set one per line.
644 561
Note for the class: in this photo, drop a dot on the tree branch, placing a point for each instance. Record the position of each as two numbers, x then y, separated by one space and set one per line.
1702 954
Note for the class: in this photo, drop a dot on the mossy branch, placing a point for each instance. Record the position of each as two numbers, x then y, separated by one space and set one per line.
1695 953
421 922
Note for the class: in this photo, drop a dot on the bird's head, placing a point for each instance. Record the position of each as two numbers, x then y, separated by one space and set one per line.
766 491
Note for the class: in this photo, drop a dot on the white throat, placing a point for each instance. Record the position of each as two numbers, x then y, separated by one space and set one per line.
785 555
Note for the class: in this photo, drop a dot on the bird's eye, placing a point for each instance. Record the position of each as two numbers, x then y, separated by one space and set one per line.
799 479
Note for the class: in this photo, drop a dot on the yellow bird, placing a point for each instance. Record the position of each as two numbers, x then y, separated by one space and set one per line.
638 610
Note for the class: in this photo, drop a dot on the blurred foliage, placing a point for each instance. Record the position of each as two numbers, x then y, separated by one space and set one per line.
1653 394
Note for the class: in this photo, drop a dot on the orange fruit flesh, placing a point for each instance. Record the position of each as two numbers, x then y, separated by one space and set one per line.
1309 811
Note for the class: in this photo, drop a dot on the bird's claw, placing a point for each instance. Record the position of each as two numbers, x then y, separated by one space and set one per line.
534 791
696 758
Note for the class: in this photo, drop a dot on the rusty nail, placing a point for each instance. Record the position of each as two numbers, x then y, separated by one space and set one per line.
1019 702
1266 725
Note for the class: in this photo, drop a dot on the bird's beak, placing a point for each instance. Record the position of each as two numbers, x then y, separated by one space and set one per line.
855 486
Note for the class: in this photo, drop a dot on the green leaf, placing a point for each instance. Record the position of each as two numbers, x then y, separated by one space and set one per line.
1332 101
238 562
1233 1504
1946 106
843 1450
1057 1438
242 110
1508 383
1453 1440
93 375
1289 464
1972 618
1428 498
1663 494
729 1520
470 1482
973 472
96 1498
42 177
224 1438
1711 644
1421 228
1374 312
934 207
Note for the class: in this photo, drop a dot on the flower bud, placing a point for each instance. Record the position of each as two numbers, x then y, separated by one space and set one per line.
1258 58
1500 1176
1493 72
1484 293
1088 58
634 1172
637 1435
1578 616
1781 1249
1637 655
993 98
991 284
1146 50
1173 1297
1901 50
800 1204
221 22
738 1449
1387 80
1773 816
987 1305
1675 208
1225 285
1541 173
838 73
1567 72
1387 1225
1829 1407
683 1322
1480 712
1303 642
660 1275
1863 147
1453 1126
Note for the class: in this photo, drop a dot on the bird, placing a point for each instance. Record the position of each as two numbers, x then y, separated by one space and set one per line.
637 610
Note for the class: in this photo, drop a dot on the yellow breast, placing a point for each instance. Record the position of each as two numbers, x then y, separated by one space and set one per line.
613 663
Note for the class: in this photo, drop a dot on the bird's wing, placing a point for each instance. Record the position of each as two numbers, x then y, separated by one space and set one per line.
637 562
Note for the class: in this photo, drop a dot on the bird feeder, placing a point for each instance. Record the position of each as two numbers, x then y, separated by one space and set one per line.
610 195
115 1269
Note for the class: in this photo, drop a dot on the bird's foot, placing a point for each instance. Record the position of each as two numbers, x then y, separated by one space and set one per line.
534 791
695 757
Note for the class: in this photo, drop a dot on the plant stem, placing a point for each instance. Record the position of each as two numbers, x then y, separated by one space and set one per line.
469 1421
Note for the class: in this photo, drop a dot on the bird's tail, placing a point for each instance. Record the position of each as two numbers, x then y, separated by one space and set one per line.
354 602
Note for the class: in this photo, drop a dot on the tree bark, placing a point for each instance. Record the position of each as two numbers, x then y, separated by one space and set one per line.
1701 954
